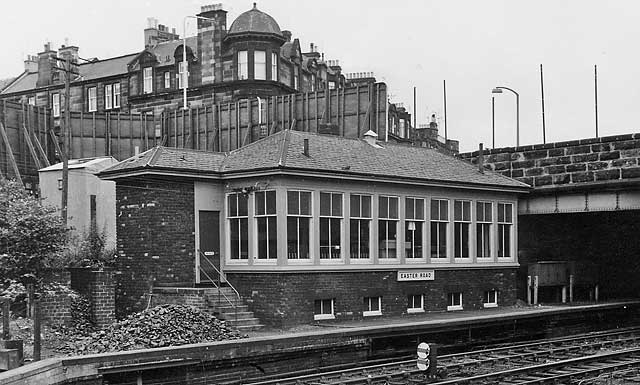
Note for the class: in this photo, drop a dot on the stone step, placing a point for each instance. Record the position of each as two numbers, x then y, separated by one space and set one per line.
249 328
232 315
225 308
243 322
9 359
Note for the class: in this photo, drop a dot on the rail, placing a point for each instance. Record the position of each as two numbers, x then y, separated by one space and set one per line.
218 285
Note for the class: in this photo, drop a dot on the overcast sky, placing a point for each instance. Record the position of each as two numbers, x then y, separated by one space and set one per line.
474 45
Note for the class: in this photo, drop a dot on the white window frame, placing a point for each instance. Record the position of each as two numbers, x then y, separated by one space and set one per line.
116 95
387 220
451 303
108 96
410 308
332 215
265 214
296 78
462 220
481 222
183 75
167 79
55 105
489 302
236 217
417 216
322 315
332 85
31 100
298 214
243 65
313 82
274 66
147 83
359 218
510 224
369 301
438 220
92 96
260 65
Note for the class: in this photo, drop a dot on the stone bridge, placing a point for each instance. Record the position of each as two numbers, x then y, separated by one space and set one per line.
584 206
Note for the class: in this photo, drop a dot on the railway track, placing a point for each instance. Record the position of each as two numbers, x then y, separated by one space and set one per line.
459 368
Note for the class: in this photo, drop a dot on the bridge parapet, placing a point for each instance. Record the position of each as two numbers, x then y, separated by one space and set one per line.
570 164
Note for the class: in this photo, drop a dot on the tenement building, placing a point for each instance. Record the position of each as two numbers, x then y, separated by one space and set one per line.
314 227
253 57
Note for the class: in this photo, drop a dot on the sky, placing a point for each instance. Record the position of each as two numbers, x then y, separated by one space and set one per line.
473 45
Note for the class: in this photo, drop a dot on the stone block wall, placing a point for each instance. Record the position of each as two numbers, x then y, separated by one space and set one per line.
285 299
567 163
156 237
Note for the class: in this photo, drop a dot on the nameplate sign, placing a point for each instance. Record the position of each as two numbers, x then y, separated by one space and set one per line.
416 275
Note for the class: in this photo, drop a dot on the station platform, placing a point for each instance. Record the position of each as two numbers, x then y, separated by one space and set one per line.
335 344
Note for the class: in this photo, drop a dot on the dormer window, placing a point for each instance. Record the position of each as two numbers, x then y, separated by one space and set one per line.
147 74
260 65
243 65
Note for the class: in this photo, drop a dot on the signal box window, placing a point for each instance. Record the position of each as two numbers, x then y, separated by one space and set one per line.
323 309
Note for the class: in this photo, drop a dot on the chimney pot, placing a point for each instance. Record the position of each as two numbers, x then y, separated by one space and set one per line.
305 148
371 137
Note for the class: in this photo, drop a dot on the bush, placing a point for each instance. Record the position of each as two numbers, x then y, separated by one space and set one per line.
88 251
31 235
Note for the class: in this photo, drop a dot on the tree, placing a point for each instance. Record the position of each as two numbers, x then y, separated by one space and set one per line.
31 235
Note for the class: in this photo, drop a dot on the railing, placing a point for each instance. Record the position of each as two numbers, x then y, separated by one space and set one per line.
234 303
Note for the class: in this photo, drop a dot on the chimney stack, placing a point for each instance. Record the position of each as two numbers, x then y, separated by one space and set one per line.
31 64
211 31
287 35
46 61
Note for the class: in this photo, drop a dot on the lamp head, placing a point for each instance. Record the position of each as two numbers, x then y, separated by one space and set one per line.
496 91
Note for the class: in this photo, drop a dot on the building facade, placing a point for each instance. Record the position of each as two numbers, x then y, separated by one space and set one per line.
253 57
312 227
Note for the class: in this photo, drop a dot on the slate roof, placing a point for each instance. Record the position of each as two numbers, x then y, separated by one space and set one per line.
327 154
105 68
254 21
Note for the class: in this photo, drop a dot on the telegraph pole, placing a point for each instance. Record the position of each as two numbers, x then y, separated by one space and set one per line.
65 132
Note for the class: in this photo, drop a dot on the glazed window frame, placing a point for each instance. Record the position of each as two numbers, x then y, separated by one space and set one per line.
462 229
372 306
55 105
454 301
388 225
147 80
92 99
505 230
324 309
490 298
331 223
266 226
301 217
414 237
238 222
484 231
439 230
411 303
360 214
260 65
243 65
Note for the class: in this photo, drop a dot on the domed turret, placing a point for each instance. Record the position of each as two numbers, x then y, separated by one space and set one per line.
255 22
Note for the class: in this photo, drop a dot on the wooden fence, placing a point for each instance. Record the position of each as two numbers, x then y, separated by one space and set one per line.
30 132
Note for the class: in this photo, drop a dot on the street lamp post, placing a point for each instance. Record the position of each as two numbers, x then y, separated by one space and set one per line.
498 90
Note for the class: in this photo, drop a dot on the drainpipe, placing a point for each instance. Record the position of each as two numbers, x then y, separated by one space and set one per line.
259 111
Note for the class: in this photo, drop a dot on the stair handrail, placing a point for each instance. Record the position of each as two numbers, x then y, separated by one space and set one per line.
237 294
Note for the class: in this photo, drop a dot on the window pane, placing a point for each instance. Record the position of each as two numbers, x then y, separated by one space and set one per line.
419 211
305 203
293 203
409 208
271 202
435 209
244 241
466 210
444 210
375 304
335 234
260 203
325 204
383 207
273 237
488 212
457 210
292 237
260 65
393 208
501 209
235 237
508 217
262 238
233 205
325 247
354 203
366 206
336 205
304 237
243 204
317 307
